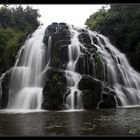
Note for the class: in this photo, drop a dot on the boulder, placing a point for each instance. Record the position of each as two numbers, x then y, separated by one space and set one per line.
5 89
91 91
54 90
90 99
108 98
106 104
90 83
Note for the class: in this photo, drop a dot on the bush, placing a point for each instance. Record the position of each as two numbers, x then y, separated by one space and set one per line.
15 25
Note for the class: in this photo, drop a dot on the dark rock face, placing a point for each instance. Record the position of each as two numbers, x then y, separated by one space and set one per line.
91 91
56 83
60 40
89 65
85 65
108 98
5 89
54 90
106 104
88 82
84 38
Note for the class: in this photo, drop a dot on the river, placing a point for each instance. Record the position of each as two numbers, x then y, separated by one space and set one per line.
107 122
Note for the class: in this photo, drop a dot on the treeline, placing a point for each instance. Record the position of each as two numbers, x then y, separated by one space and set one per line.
121 23
15 25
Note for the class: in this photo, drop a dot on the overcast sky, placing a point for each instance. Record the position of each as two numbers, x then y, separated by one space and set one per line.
73 14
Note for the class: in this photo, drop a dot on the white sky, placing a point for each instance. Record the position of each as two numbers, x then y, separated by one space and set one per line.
73 14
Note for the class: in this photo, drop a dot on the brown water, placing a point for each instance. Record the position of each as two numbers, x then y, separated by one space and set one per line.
80 123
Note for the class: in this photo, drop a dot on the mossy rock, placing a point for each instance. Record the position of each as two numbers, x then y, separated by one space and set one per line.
54 90
99 70
59 46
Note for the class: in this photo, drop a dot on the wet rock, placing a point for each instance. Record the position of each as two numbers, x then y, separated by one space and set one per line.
66 95
88 82
90 99
89 63
91 91
99 70
84 65
108 98
54 90
59 57
106 104
5 89
95 41
104 96
60 41
80 65
84 38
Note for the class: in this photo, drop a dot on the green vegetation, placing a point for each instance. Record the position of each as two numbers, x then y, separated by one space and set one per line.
99 67
15 24
121 23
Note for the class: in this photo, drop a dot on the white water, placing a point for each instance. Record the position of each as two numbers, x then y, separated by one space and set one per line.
118 70
26 81
28 74
74 98
120 75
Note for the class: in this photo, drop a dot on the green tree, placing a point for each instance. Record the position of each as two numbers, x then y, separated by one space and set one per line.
121 24
15 24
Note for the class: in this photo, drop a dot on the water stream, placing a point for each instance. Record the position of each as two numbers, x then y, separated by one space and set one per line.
27 78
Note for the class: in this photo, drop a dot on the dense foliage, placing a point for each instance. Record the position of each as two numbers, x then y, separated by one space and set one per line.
15 24
121 23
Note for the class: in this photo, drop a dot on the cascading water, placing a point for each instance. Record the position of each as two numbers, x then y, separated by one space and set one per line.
26 85
74 98
120 75
28 75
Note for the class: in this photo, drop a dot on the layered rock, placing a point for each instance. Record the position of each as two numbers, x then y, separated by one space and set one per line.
89 64
54 90
60 35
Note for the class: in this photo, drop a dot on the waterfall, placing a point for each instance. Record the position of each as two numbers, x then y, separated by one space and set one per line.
25 90
120 75
74 98
43 50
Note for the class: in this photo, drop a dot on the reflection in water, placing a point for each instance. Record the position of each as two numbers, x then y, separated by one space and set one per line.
79 123
74 120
